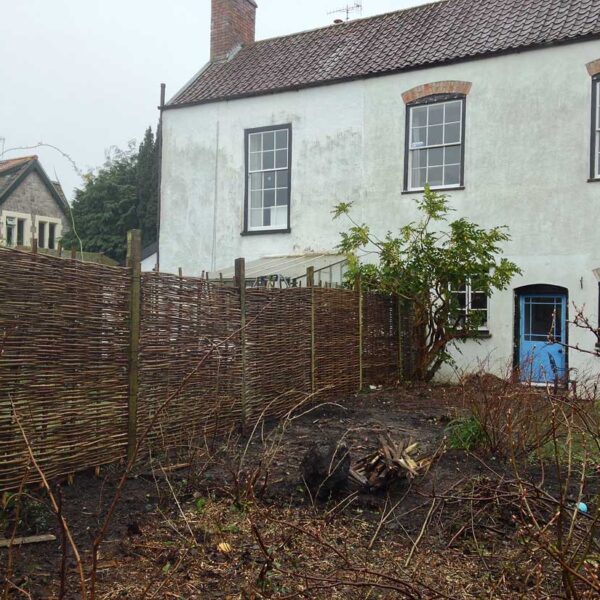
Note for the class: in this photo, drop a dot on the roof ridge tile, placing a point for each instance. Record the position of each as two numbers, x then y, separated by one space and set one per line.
424 35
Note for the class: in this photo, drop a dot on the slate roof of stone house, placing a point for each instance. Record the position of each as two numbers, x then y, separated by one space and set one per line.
13 171
59 190
427 35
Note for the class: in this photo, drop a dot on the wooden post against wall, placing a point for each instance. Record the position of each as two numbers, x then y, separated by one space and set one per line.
240 284
310 283
134 262
358 290
400 340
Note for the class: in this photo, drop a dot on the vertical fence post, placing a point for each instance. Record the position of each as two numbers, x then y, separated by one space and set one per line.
240 283
310 283
399 311
358 290
134 262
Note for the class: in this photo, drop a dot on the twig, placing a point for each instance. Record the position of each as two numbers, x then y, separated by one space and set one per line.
421 533
54 504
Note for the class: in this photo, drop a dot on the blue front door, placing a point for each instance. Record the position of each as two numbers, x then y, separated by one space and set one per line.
542 355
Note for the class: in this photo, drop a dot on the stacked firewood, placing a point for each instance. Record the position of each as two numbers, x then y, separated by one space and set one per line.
390 462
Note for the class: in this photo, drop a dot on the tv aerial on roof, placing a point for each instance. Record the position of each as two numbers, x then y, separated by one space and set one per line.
348 10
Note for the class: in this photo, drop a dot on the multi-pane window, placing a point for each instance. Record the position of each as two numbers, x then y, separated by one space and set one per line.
15 231
47 233
435 144
596 131
268 171
472 305
543 318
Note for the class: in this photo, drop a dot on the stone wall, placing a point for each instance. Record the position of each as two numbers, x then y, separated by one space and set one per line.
32 198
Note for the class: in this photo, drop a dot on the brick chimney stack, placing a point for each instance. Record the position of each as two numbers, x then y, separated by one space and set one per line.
233 24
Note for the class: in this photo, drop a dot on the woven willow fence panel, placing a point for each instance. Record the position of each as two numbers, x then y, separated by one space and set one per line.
337 342
380 339
66 358
183 320
278 338
63 364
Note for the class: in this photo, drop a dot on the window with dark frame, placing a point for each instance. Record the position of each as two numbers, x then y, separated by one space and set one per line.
435 143
41 234
595 154
20 232
472 303
51 236
10 231
268 154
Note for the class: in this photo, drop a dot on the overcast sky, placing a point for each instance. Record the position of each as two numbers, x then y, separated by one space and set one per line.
84 75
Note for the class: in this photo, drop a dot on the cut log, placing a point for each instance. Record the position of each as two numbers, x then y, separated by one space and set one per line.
392 461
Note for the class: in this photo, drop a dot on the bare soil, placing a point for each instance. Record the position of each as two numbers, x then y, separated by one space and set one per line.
227 527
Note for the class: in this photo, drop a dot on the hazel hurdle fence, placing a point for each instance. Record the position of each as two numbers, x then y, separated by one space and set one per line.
89 353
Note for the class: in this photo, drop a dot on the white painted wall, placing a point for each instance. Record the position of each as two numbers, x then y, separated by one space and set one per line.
149 263
527 165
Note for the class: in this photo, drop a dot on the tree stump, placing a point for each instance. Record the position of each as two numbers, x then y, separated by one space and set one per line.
325 468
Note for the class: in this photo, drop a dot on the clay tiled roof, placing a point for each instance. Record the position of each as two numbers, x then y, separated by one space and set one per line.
431 34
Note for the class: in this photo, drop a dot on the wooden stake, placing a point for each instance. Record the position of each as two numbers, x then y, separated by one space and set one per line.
400 352
358 290
134 262
240 284
74 252
310 283
34 539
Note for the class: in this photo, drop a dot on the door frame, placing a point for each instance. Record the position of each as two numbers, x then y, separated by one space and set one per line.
532 290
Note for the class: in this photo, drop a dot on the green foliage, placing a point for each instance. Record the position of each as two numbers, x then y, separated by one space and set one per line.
200 504
422 264
120 196
35 517
147 187
465 434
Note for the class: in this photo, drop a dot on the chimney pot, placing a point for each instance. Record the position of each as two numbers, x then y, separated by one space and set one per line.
233 24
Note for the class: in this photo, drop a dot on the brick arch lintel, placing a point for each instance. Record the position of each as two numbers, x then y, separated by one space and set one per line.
437 87
593 67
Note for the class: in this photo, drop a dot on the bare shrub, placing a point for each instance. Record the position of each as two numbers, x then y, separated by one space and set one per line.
558 517
514 419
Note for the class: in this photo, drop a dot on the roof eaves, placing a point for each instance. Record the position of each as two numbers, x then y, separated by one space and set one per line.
34 165
187 85
418 67
26 168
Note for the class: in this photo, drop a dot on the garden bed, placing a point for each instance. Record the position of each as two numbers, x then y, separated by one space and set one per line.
234 520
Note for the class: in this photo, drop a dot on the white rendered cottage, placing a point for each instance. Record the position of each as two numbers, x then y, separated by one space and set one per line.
497 102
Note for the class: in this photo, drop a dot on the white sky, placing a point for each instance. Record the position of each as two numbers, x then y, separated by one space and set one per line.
84 75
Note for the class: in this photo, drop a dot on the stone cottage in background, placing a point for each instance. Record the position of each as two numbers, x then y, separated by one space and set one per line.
31 205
